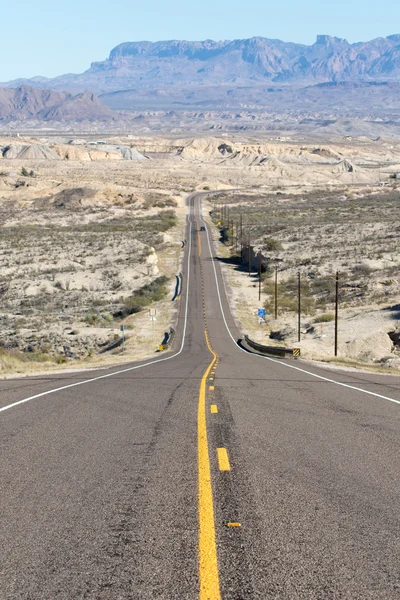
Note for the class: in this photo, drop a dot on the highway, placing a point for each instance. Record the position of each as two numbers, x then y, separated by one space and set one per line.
204 473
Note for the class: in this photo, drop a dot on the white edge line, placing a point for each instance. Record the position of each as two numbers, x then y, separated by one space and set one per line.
346 385
71 385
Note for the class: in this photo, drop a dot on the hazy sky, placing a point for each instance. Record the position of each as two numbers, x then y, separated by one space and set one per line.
46 37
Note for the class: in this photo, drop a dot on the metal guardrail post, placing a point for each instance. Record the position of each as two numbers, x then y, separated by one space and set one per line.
274 350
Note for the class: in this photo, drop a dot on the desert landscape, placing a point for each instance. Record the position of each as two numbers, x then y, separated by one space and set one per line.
91 233
85 249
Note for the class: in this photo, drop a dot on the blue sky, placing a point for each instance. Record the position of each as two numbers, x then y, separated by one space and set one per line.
49 38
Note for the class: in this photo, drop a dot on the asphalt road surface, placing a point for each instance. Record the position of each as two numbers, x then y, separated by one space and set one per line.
205 473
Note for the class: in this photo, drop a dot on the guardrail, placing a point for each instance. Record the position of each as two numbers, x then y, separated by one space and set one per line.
167 341
178 287
273 350
111 346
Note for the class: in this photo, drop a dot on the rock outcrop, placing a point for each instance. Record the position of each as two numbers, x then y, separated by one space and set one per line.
30 152
70 152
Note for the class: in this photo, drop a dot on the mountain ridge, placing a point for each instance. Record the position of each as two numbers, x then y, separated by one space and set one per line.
161 64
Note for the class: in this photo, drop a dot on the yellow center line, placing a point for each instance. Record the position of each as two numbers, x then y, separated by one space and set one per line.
223 460
208 559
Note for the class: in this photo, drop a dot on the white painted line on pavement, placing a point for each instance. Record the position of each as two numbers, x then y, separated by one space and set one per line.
346 385
152 362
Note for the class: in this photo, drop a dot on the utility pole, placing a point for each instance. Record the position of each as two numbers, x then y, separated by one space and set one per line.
236 238
259 276
249 258
276 292
298 306
336 312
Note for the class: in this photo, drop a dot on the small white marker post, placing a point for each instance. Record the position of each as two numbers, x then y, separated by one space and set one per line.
122 328
152 313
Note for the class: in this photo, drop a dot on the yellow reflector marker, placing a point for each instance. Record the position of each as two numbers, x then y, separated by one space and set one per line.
223 460
211 388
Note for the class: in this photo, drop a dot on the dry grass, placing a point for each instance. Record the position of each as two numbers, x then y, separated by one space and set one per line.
73 258
319 233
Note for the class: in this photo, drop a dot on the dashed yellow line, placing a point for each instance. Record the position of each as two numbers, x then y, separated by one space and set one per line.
208 561
223 460
214 409
211 388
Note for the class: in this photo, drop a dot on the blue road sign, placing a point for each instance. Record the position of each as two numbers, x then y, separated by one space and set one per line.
262 312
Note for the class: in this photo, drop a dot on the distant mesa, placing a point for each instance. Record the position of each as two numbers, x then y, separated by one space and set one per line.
158 65
332 74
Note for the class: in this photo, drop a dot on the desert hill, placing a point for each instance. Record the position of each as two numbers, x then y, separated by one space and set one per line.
27 102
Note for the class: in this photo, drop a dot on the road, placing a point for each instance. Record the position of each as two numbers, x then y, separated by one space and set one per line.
205 473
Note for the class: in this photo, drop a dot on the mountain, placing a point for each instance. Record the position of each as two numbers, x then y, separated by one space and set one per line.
240 62
330 76
26 103
85 106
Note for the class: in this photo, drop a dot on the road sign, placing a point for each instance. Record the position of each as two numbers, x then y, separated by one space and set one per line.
296 352
122 327
261 312
152 312
153 318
